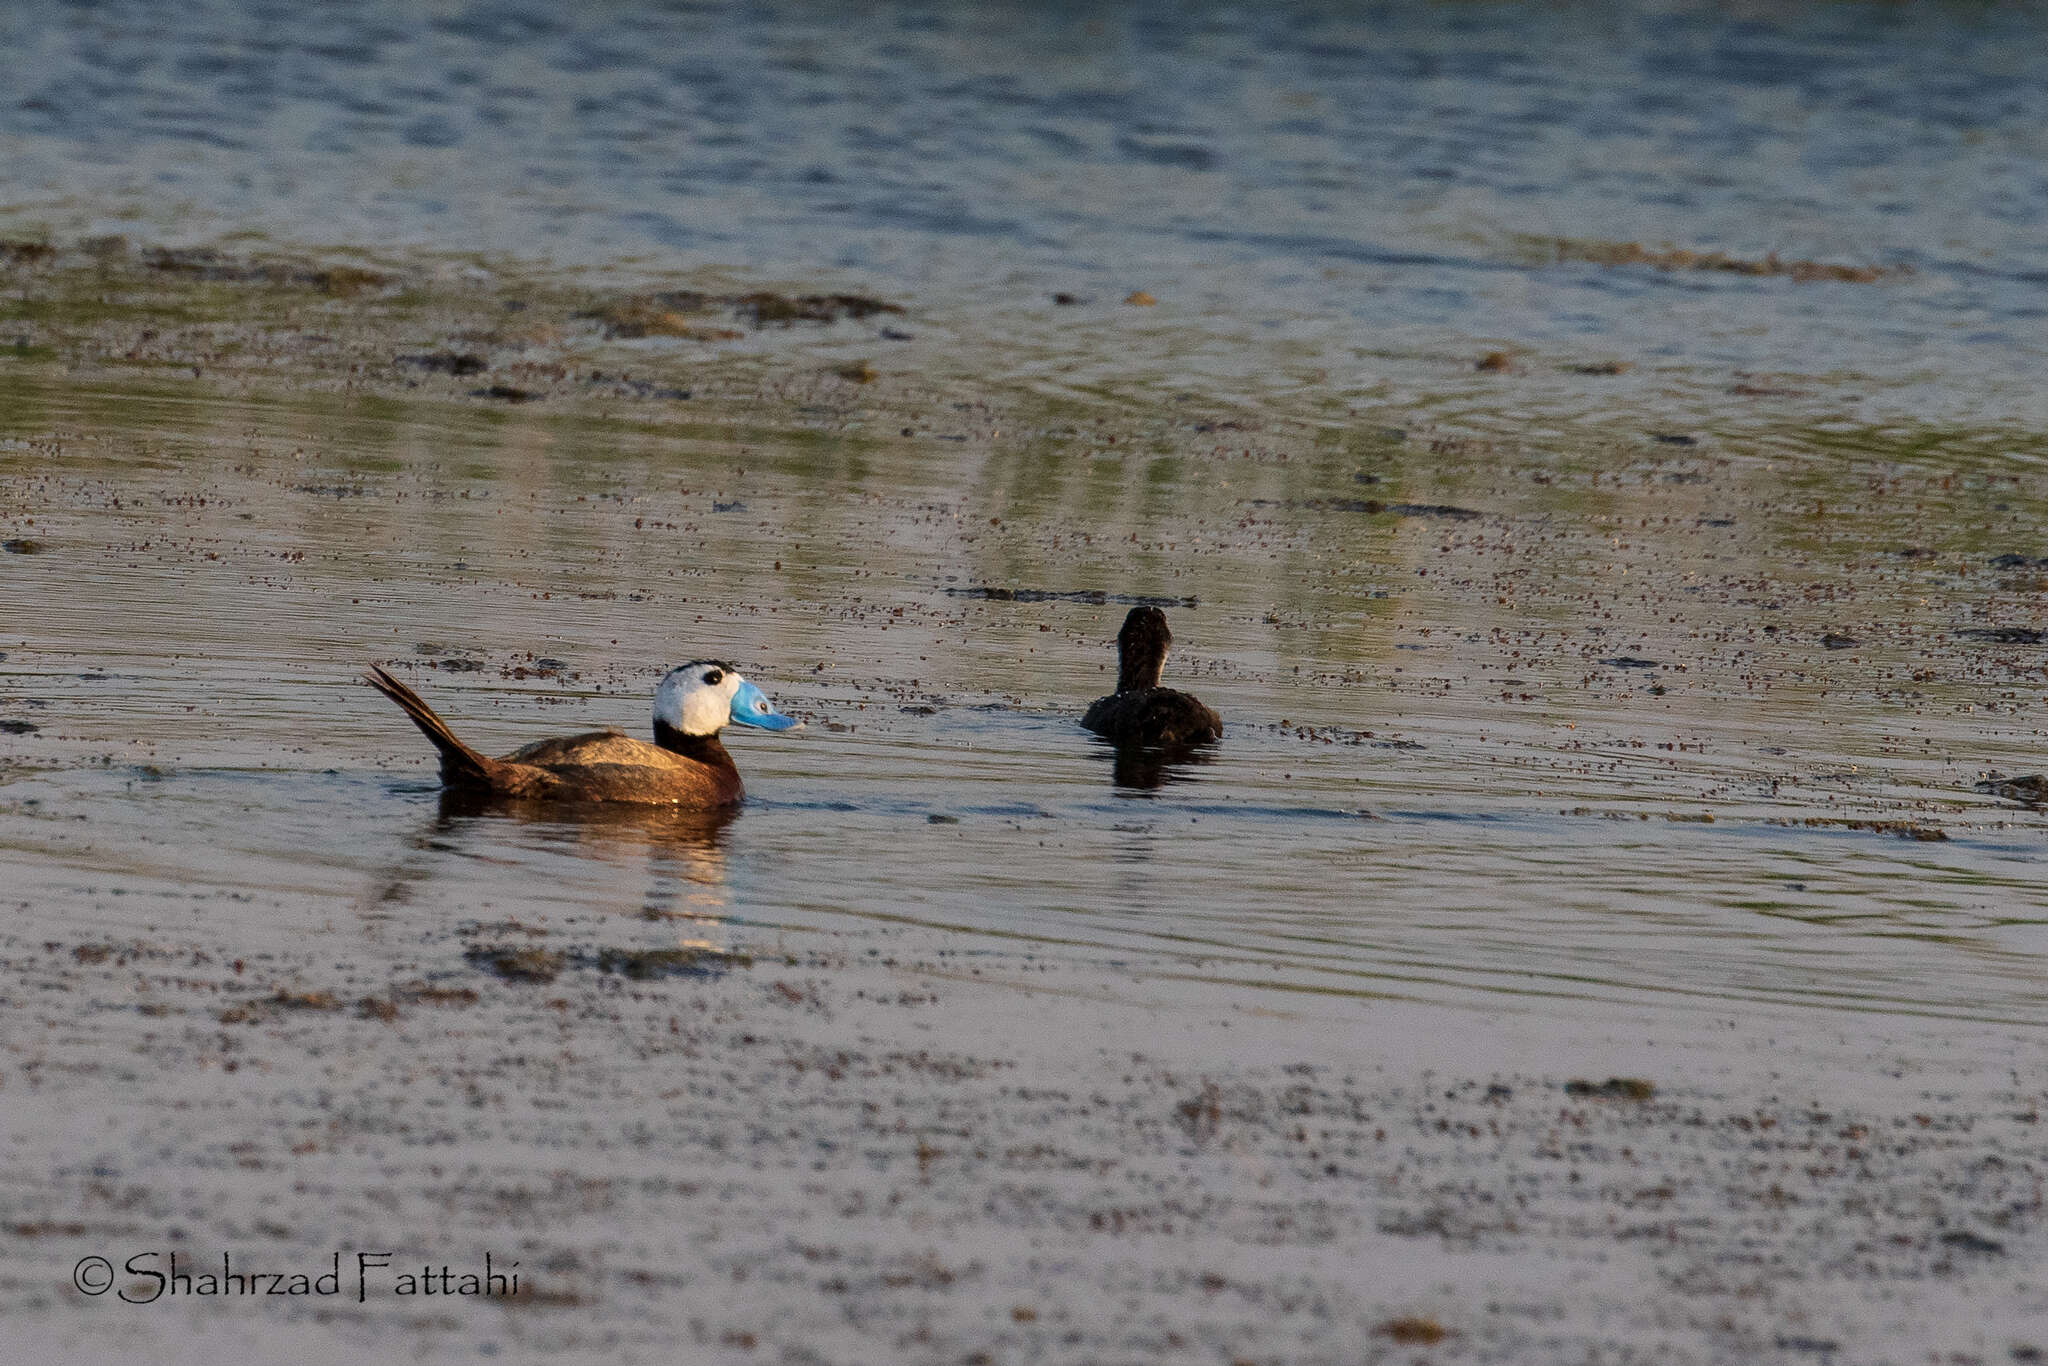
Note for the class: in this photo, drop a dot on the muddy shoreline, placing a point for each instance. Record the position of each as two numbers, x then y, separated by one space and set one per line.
799 1160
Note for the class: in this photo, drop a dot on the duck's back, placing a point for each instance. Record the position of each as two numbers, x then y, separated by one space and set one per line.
610 766
592 747
1153 716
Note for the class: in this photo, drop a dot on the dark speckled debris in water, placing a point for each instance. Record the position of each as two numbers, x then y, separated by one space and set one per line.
1371 507
516 963
765 308
668 314
265 1007
646 965
1794 1342
219 267
661 315
1614 1088
2004 635
1414 1331
1670 258
523 963
1456 514
640 388
1905 830
1091 595
304 1000
2031 790
447 362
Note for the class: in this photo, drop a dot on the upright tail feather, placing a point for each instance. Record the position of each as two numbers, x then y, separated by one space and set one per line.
460 765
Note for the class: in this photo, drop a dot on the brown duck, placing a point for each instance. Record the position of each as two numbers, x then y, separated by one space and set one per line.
685 767
1140 712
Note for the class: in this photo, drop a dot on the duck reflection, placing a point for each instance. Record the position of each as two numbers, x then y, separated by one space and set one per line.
602 827
682 853
1141 770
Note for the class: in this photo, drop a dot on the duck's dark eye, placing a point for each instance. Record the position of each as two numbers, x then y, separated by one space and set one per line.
715 677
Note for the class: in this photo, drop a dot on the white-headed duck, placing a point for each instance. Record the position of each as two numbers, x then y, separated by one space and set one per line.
1140 712
685 767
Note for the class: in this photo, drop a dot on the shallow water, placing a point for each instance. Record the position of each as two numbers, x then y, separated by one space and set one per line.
1615 707
1336 201
1498 814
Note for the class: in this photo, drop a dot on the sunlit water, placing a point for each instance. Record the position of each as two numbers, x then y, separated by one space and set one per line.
1492 816
1349 198
1609 654
1442 787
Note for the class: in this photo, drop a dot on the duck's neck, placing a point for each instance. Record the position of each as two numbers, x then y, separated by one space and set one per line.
705 749
1139 664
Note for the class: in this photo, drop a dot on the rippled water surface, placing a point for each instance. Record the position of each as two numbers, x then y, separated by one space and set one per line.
1467 761
1589 454
1318 195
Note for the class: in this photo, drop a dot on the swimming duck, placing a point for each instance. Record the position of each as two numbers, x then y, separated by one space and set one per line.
685 767
1140 712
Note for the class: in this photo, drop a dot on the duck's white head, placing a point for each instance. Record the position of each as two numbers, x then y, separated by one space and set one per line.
705 696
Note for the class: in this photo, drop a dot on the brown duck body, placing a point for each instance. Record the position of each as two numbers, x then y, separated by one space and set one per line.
1140 711
1153 716
688 771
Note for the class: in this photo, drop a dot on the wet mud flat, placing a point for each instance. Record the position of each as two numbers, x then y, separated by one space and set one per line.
832 1156
1590 941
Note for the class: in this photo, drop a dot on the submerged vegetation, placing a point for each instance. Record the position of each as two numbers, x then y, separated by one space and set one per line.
1602 253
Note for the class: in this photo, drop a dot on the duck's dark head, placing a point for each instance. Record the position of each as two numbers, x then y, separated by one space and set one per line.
1141 649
